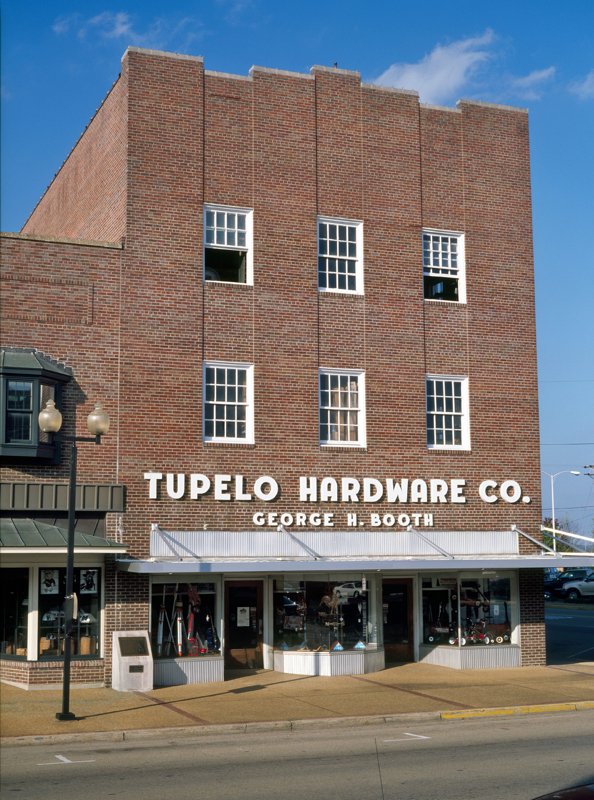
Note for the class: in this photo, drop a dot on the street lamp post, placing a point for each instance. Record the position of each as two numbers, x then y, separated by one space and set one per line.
50 421
552 477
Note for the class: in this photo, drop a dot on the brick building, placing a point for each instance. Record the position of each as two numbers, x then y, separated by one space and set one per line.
307 304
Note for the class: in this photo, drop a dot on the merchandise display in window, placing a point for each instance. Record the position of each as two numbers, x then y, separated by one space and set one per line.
182 621
322 616
14 591
460 611
85 627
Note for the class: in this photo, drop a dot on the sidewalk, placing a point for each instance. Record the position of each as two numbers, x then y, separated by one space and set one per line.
274 700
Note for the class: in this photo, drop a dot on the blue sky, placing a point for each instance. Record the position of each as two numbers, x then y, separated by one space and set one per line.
60 59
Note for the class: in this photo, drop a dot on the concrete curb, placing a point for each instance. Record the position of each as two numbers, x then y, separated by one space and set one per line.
285 725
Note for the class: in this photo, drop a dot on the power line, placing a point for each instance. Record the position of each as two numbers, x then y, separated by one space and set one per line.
564 444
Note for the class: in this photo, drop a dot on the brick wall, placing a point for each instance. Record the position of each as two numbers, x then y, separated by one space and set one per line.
31 674
291 147
532 617
87 198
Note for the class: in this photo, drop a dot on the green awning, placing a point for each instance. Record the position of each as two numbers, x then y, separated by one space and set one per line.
27 533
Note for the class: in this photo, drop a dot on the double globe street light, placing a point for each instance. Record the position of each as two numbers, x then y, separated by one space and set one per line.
50 421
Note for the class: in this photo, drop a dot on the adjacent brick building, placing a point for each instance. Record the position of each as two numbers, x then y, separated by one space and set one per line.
304 301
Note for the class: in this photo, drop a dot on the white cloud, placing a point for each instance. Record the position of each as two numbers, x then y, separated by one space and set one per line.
584 89
110 26
441 75
530 87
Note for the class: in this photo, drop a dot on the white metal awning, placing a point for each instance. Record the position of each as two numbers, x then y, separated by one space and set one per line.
275 551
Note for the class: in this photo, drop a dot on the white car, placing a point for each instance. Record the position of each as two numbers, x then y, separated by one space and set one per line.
352 589
575 590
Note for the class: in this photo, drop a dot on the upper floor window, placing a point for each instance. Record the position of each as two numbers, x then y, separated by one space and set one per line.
28 379
443 266
227 244
228 402
340 255
447 412
342 407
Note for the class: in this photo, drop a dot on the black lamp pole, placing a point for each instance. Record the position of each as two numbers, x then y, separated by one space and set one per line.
70 602
50 421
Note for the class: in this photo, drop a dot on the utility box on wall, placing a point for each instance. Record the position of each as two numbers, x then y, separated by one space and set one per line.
132 665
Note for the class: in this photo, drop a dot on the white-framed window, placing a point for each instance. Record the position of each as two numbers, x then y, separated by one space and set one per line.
342 407
228 402
228 244
447 412
444 274
340 255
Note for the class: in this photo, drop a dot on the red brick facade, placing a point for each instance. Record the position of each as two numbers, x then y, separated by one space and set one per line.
135 320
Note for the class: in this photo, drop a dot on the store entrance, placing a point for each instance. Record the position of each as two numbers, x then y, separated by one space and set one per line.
397 608
243 625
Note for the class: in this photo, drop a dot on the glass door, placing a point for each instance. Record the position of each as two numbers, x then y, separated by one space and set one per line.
397 610
244 625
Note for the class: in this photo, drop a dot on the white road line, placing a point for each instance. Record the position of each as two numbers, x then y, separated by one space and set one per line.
64 760
414 736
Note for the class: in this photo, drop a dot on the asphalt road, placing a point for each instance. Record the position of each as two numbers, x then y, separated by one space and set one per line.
570 634
511 758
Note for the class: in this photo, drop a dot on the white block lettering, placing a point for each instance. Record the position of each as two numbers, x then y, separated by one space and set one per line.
483 488
404 520
176 493
273 519
259 518
153 478
397 491
516 491
221 491
239 493
352 520
328 491
428 520
389 520
439 491
287 519
199 484
308 490
328 520
457 495
418 491
300 519
350 489
314 519
272 491
376 520
368 495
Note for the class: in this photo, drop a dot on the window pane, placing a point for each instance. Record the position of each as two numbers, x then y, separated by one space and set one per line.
209 411
18 427
210 219
220 429
324 381
210 375
220 237
19 396
220 394
220 219
231 238
231 392
231 221
209 393
241 222
241 377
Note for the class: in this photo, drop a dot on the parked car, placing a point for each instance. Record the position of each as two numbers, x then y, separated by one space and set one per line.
352 589
575 590
552 587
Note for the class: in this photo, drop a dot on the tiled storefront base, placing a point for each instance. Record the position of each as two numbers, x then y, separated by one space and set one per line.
330 664
49 674
471 657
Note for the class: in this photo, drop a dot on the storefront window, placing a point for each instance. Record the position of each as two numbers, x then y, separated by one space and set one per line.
182 620
85 628
14 591
322 615
467 609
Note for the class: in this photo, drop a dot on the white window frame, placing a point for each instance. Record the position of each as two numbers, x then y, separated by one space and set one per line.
248 249
358 226
362 434
464 414
249 403
446 272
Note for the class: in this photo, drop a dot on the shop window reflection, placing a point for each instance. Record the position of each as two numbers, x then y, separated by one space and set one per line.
14 590
182 620
323 615
467 610
85 628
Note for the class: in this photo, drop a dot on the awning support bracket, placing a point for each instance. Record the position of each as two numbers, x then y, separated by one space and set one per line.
311 553
429 542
